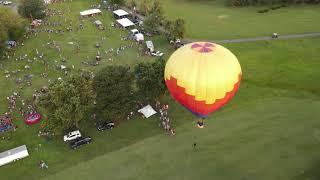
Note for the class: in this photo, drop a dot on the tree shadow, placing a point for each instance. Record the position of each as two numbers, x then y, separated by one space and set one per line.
312 173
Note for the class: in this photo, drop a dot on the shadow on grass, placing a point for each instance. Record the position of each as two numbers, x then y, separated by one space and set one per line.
312 173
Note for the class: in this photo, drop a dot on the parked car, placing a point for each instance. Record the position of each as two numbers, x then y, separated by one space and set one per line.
7 2
275 35
75 144
105 125
71 136
157 53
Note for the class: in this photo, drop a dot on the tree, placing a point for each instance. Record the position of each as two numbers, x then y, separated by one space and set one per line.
144 7
179 28
3 38
175 29
67 103
155 16
132 3
149 23
150 79
169 29
9 29
33 9
118 2
114 88
157 11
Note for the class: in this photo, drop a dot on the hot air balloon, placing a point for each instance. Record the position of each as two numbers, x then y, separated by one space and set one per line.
202 76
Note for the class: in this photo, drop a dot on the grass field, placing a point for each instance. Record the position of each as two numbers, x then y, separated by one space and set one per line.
278 112
256 141
270 130
214 20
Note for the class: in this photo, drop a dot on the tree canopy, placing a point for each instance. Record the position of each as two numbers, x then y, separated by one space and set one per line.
67 102
115 94
118 2
33 9
9 29
175 29
150 79
155 15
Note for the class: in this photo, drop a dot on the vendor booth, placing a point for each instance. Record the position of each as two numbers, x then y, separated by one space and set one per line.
125 22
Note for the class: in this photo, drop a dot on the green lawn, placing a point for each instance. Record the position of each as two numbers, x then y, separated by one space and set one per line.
270 130
215 20
255 141
273 118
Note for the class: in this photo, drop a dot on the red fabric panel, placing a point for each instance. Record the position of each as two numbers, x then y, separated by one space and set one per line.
199 107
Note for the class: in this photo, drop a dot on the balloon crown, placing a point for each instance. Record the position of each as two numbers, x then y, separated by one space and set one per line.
202 47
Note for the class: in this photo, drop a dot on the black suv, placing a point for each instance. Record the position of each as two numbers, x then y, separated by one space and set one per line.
101 126
79 142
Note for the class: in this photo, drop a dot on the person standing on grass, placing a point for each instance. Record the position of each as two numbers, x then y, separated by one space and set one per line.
194 145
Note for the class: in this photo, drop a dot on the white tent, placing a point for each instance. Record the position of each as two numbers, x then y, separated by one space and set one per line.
120 13
147 111
125 22
90 12
13 155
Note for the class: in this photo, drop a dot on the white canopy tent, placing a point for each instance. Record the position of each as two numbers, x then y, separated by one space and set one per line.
13 155
120 13
147 111
125 22
90 12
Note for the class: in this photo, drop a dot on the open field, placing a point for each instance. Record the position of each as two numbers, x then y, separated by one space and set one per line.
270 130
265 109
256 141
214 20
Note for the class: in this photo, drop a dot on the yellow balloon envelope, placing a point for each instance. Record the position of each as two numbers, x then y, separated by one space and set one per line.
202 76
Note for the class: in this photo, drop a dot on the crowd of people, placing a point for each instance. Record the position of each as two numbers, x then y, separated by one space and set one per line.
164 118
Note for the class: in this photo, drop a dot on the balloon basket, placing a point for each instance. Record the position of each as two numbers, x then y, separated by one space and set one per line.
200 125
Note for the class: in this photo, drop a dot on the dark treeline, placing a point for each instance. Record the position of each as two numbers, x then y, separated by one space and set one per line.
269 2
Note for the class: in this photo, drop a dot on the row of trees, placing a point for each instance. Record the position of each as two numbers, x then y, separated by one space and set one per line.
111 94
272 2
12 27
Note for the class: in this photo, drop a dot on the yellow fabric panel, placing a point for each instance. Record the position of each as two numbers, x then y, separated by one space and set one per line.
207 76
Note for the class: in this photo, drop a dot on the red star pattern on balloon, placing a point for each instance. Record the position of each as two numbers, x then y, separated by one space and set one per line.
202 47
